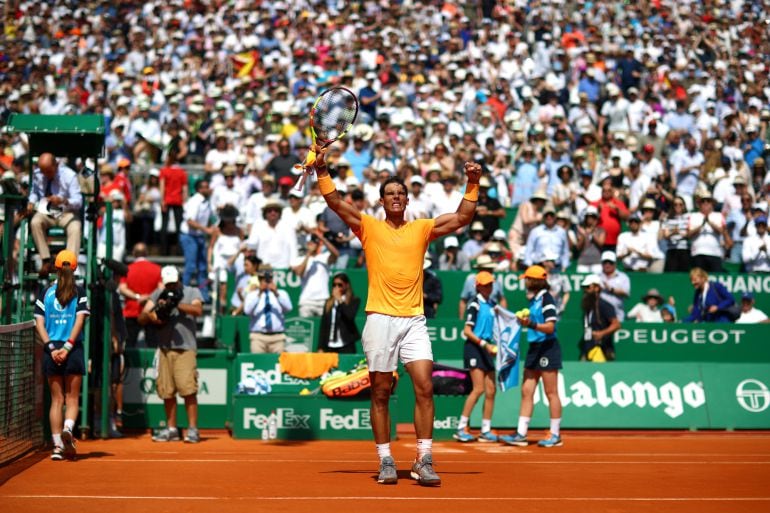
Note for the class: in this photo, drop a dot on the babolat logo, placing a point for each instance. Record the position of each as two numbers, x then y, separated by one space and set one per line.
446 423
358 419
273 376
621 394
287 419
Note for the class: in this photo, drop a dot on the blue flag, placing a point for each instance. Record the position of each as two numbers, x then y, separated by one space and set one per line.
507 331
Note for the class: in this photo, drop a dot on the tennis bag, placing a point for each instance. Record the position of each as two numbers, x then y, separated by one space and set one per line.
355 383
451 380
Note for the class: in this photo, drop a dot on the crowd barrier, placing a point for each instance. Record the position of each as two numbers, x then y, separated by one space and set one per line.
620 395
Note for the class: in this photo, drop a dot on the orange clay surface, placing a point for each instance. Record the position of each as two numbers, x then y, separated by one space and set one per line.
593 472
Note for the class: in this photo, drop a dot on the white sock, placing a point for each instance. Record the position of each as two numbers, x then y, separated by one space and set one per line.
172 428
555 427
69 424
463 423
383 450
486 425
57 440
523 425
424 446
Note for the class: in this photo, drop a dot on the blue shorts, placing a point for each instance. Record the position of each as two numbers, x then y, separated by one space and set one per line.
544 356
73 365
476 357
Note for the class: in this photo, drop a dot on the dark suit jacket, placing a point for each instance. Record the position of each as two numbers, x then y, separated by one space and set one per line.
717 294
345 324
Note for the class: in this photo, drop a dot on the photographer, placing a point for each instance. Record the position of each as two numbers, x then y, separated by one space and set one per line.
266 305
173 309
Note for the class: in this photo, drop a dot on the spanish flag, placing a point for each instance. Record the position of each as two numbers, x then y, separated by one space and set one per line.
246 64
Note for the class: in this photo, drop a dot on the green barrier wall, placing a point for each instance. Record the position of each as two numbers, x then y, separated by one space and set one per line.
143 408
670 284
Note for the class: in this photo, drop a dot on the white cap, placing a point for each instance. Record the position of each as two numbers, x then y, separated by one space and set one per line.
591 279
499 234
416 179
609 256
451 242
169 274
591 211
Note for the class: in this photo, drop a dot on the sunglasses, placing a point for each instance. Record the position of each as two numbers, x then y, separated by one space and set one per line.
338 284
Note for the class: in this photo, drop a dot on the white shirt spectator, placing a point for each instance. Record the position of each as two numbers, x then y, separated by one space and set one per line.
216 159
276 246
447 203
223 195
620 282
707 241
755 256
616 114
653 168
753 316
631 247
643 313
148 128
198 209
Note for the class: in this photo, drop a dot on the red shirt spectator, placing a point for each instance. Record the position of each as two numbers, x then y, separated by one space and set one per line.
143 278
173 180
611 212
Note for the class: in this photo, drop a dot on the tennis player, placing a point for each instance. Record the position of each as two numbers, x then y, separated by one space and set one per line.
395 322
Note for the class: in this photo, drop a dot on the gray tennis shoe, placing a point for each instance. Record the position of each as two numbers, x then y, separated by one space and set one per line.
423 472
388 473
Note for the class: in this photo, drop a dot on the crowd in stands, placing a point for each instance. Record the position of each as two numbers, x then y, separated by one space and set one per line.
623 134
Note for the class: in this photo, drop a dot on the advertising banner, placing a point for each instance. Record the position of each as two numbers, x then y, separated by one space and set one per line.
304 417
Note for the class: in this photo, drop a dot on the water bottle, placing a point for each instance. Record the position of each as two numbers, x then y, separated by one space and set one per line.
272 426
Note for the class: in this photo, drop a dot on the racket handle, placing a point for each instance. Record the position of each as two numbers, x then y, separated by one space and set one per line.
300 185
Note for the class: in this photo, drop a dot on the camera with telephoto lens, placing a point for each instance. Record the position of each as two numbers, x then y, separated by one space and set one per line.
268 276
168 300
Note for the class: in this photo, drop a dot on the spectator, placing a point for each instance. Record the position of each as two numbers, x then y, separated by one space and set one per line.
474 246
224 244
590 241
54 200
276 244
147 210
675 236
558 283
144 134
489 211
600 321
712 302
142 279
650 309
738 221
282 165
248 269
174 317
668 314
224 194
257 201
547 237
616 286
750 314
637 250
686 166
452 259
338 332
420 206
313 269
196 226
707 232
755 248
173 191
267 306
611 212
431 289
529 215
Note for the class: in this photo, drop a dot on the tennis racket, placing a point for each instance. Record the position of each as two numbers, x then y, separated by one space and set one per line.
331 117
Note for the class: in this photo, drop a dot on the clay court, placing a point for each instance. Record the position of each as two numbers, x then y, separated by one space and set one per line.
594 471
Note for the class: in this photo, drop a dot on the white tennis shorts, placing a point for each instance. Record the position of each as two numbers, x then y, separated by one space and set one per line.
386 339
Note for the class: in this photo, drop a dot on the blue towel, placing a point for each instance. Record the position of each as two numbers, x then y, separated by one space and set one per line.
507 331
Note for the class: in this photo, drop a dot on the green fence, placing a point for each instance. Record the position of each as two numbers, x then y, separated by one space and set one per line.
676 285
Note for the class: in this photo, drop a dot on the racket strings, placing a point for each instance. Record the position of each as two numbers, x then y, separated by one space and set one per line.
335 113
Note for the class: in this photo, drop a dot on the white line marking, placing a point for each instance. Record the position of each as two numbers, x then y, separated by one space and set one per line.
440 461
381 498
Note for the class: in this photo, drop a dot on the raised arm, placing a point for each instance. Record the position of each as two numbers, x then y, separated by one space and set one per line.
448 223
347 212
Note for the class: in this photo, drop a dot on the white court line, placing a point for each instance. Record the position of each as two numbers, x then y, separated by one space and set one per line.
381 498
440 462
